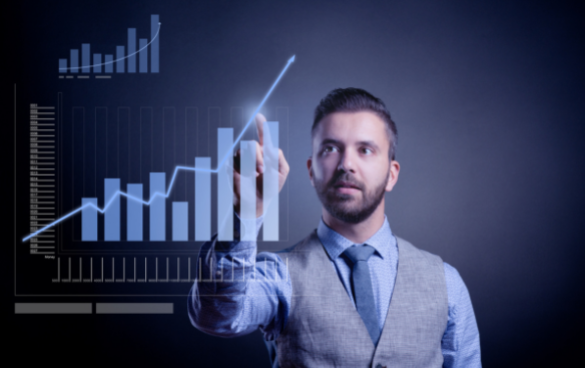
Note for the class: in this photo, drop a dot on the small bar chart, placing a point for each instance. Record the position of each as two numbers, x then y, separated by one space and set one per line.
122 59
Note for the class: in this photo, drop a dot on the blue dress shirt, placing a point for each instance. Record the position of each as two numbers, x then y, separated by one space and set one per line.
239 291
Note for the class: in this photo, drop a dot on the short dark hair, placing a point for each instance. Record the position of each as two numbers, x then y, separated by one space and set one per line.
355 100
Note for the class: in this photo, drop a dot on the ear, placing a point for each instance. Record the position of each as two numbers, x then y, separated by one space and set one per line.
309 167
393 177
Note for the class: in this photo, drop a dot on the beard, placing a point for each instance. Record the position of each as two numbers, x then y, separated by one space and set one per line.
348 207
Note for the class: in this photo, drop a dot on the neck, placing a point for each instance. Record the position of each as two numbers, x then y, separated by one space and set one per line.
360 232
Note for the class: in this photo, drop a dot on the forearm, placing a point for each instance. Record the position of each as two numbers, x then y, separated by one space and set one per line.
232 295
217 297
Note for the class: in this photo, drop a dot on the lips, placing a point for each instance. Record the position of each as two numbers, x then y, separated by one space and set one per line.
346 184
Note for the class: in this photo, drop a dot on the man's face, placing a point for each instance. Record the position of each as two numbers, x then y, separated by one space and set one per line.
350 168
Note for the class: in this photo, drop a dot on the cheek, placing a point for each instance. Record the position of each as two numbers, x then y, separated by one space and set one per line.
323 168
375 175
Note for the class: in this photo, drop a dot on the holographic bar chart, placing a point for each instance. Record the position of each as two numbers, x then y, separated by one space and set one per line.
155 205
130 204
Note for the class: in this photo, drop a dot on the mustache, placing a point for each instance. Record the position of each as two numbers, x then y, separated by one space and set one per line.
345 178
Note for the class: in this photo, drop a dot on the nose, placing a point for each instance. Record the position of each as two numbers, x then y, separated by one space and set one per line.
346 161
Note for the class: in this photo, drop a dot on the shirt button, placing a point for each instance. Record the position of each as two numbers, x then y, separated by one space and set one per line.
379 366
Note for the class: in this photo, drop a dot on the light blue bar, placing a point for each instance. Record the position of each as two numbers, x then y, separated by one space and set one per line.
97 63
131 50
248 190
120 55
225 179
62 65
202 199
270 182
112 214
180 221
154 45
109 66
74 56
143 56
85 58
157 207
134 213
89 220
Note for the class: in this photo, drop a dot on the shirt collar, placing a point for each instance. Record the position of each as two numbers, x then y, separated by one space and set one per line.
335 244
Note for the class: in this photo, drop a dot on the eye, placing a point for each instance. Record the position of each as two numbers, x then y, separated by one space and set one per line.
330 149
367 151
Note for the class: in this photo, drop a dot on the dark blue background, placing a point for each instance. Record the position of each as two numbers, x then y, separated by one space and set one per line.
488 98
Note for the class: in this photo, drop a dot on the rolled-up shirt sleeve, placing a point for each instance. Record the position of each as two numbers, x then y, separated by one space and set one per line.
237 291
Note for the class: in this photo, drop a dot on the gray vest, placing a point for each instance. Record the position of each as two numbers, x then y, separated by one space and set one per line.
324 329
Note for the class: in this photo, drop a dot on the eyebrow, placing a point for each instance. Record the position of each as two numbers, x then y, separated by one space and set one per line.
360 143
369 143
329 141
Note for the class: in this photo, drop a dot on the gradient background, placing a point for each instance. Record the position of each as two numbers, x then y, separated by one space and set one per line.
488 97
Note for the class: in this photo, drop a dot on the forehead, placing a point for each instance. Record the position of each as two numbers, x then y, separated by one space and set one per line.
352 126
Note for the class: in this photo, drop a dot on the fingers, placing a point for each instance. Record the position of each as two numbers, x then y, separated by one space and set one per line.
283 167
236 167
237 185
260 120
259 160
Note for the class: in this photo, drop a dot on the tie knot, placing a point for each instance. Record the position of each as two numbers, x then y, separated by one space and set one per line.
359 253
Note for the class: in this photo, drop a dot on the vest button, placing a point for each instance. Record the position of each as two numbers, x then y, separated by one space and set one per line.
380 366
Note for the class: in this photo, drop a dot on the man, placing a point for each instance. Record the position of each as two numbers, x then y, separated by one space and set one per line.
351 294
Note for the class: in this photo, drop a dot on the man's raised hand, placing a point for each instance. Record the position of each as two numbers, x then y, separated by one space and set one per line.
283 170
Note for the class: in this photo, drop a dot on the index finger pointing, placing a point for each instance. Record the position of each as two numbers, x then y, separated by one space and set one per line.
260 120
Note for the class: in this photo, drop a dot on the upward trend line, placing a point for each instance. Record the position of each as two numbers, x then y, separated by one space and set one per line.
177 168
122 58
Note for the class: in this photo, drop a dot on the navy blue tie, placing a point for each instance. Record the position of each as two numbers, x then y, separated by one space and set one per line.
362 288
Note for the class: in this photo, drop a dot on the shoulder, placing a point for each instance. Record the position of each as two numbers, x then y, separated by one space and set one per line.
406 249
452 275
456 289
453 278
457 292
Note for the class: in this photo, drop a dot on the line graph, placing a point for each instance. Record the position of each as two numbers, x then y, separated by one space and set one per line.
119 59
120 193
